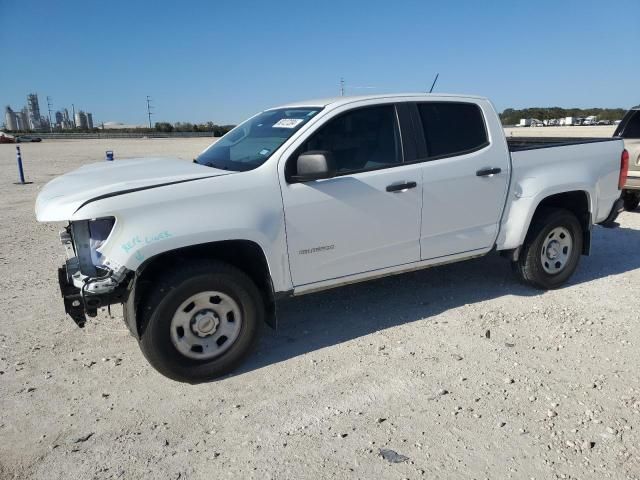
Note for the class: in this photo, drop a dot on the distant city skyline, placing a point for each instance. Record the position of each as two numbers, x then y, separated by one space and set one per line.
222 62
30 118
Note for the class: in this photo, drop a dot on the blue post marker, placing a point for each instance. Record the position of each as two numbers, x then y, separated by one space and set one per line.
20 170
19 158
109 155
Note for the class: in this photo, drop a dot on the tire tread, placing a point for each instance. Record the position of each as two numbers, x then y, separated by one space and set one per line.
527 267
167 282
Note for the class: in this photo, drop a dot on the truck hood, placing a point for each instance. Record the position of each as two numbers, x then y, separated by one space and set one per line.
62 196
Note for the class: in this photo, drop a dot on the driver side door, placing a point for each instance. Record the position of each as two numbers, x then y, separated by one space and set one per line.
365 218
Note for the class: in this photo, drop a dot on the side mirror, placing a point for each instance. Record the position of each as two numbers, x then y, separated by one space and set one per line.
314 165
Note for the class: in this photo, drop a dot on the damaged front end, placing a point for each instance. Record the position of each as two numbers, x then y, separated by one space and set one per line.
88 280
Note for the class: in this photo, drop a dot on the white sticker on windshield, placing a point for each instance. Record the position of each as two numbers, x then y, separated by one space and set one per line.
264 151
288 123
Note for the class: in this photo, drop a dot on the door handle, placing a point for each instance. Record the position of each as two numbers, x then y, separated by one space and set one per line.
399 187
485 172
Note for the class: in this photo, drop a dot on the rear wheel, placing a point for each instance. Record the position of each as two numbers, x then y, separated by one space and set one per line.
552 249
200 322
631 200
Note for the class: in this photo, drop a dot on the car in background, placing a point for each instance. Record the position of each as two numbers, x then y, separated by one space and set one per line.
27 138
6 138
629 131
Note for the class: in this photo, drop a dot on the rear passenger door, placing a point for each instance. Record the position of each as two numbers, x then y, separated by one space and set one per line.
465 177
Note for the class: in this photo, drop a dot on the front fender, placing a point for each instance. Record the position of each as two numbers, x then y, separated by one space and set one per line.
243 206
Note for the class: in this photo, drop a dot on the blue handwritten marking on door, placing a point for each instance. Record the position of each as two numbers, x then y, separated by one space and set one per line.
131 244
157 237
138 241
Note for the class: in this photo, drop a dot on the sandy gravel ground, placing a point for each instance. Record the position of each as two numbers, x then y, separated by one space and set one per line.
453 372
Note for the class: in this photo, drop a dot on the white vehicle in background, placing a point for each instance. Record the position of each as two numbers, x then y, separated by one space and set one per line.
314 195
629 130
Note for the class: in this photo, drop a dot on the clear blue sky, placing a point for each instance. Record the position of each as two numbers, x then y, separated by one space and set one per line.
219 61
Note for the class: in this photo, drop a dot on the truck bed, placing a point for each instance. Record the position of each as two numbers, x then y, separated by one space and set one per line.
517 144
587 165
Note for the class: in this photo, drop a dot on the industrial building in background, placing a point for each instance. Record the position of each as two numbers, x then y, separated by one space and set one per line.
16 121
30 119
36 120
81 120
10 119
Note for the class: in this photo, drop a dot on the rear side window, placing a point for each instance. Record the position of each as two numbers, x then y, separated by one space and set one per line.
452 128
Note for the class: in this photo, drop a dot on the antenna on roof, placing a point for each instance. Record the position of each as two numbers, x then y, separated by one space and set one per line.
434 82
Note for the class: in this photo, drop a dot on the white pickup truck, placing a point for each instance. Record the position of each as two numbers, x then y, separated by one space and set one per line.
314 195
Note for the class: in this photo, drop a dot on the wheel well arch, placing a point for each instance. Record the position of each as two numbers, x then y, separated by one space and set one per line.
245 255
578 203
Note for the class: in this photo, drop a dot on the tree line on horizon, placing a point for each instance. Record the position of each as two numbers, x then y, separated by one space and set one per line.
164 127
218 130
511 116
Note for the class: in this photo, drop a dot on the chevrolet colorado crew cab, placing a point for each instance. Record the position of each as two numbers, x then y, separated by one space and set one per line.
629 131
314 195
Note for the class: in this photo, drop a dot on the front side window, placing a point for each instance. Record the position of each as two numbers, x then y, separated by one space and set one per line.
362 139
452 128
251 143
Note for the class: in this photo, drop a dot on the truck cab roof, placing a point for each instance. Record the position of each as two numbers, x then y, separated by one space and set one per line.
343 100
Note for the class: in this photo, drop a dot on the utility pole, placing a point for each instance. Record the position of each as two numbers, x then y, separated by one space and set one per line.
73 118
49 99
342 86
149 107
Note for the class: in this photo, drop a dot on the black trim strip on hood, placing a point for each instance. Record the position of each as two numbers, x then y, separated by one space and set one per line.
148 187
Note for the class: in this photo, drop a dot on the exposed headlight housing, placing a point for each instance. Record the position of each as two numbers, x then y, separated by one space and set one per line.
99 231
88 236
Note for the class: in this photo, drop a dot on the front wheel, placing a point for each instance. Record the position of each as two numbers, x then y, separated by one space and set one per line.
200 322
551 250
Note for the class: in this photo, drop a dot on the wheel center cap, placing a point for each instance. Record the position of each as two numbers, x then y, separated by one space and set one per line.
553 250
205 323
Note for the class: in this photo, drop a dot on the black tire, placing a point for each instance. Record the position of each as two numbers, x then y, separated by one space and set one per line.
170 291
529 267
631 200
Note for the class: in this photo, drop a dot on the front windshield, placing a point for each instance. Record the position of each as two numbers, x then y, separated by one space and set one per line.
251 143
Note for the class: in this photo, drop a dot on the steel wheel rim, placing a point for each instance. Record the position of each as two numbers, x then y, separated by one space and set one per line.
557 248
206 325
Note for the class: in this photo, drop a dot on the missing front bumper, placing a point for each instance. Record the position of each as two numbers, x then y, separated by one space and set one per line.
73 303
79 306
